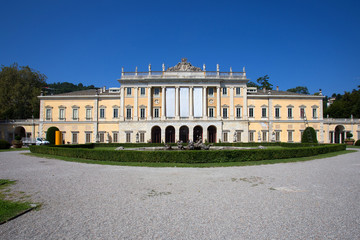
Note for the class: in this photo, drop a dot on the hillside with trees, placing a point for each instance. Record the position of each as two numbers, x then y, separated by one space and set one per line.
345 105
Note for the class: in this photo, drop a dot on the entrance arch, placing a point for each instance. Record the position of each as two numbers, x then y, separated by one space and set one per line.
198 132
184 134
339 134
20 131
156 134
211 134
170 134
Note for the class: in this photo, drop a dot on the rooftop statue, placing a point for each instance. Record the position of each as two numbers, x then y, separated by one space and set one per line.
184 66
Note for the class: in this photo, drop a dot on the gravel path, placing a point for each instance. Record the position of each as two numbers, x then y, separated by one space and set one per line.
307 200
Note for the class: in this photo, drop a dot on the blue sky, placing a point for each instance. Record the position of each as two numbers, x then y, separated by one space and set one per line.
297 43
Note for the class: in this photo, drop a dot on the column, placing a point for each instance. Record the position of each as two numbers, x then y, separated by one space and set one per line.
122 98
204 103
333 137
149 108
136 103
245 111
177 101
218 107
96 119
191 112
232 103
163 104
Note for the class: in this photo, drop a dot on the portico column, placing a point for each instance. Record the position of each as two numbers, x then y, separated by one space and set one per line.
191 113
149 108
232 103
245 112
122 96
163 104
333 137
218 96
177 102
204 104
136 104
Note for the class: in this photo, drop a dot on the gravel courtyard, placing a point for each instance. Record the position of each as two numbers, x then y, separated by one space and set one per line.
318 199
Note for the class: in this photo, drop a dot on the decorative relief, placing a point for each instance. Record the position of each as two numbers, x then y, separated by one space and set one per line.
211 101
156 101
184 66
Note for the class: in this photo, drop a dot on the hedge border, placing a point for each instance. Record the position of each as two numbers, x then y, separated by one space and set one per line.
200 156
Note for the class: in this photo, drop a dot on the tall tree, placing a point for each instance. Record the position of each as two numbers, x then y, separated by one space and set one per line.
299 89
345 105
264 82
19 88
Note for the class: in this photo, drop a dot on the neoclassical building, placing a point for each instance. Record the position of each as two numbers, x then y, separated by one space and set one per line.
184 102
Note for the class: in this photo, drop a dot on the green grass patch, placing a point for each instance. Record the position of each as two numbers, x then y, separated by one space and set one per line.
14 149
10 208
352 146
195 165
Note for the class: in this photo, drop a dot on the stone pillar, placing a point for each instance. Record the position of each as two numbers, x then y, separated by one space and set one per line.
135 104
245 112
204 103
177 101
122 103
232 103
191 107
163 104
96 119
149 108
218 107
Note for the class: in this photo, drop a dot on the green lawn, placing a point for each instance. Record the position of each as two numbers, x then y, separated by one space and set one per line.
200 165
10 208
348 146
13 149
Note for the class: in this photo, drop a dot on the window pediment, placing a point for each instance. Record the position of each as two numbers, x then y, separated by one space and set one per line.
75 106
277 106
115 106
289 106
88 106
129 106
61 106
264 106
314 106
302 106
102 106
238 105
48 106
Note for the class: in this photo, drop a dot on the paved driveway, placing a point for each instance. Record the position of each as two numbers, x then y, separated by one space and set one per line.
307 200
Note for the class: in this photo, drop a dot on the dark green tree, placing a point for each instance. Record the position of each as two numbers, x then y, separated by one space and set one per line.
345 105
309 136
299 89
252 84
65 87
50 134
264 82
19 89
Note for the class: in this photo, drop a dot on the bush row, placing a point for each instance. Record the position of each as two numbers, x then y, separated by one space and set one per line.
200 156
4 144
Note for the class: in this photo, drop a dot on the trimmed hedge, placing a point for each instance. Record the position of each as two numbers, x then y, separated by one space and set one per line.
357 143
305 136
200 156
4 144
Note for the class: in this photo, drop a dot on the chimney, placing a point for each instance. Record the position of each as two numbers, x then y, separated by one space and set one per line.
320 92
277 88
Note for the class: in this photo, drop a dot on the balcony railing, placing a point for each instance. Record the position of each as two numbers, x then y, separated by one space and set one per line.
161 74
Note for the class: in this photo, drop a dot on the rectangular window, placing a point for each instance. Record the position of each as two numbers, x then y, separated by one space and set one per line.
102 137
251 136
156 112
87 137
74 138
61 114
102 113
75 114
263 112
251 112
128 137
225 112
142 137
238 91
156 91
238 112
128 113
142 113
142 91
115 137
211 112
211 91
290 115
88 114
277 136
264 136
115 113
290 136
48 114
224 91
225 137
277 112
302 112
128 91
314 111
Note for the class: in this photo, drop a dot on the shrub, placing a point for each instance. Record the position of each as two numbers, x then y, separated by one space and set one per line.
4 144
309 131
50 134
17 138
200 156
349 135
357 143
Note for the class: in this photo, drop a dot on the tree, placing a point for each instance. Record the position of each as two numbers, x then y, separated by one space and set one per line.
299 89
345 105
309 136
19 89
264 82
252 84
65 87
